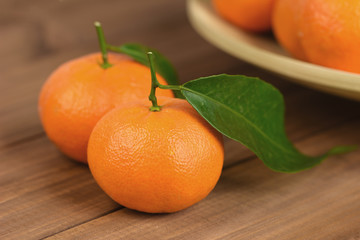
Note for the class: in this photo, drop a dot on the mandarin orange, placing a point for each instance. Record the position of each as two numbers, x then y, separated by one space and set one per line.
249 15
321 32
80 92
156 161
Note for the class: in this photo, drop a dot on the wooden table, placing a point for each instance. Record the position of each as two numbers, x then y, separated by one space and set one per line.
43 194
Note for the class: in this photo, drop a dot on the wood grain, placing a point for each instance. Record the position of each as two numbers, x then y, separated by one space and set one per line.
44 194
252 202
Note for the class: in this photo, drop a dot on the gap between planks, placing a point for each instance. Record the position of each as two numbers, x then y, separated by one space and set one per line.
84 222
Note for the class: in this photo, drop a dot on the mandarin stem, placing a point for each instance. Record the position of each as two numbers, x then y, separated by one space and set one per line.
102 44
154 84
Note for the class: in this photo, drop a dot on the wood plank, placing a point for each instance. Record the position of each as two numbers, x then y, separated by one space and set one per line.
252 202
32 172
43 192
33 168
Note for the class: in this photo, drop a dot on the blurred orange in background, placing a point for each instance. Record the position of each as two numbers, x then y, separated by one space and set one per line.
321 32
250 15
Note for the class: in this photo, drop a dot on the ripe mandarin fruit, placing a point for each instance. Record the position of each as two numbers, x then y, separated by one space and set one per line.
321 32
286 20
156 162
247 14
80 92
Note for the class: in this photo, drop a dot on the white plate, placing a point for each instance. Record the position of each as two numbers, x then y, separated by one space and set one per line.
266 53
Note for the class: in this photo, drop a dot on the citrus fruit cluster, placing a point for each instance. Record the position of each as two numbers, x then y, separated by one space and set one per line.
162 155
323 32
148 157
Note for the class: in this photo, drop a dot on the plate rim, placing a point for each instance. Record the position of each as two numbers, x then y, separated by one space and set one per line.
224 35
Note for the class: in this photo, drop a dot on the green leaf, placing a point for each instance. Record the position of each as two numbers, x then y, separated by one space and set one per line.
251 111
162 65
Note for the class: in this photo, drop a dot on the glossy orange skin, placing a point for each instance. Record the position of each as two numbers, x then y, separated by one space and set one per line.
250 15
80 92
321 32
156 162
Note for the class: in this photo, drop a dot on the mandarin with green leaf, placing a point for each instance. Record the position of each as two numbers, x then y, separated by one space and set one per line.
156 161
79 92
156 158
